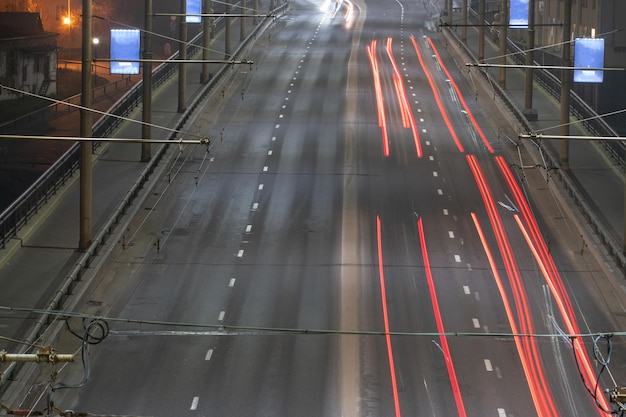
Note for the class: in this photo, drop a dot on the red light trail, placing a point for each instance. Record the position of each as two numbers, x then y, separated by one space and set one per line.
456 391
383 295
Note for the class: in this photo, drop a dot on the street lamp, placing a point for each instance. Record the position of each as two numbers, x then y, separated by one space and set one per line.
67 21
96 42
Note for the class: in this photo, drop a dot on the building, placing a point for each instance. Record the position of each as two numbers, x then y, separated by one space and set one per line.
28 55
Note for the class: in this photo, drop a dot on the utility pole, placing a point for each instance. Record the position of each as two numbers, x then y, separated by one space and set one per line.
529 112
255 19
242 21
481 31
566 77
86 126
182 55
207 26
229 10
464 19
146 132
504 29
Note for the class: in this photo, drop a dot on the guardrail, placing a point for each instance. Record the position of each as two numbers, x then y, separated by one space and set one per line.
100 239
552 84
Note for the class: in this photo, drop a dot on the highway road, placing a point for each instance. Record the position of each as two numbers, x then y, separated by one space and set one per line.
353 244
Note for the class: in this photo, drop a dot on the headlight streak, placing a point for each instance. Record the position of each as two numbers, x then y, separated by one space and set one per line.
536 378
383 295
433 87
460 96
546 264
408 120
380 102
440 328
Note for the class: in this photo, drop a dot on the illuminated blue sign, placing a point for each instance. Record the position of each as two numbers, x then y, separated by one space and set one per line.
519 14
125 44
194 7
588 53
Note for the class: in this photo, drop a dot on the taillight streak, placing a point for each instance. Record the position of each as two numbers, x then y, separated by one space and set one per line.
380 102
539 249
433 87
456 391
383 295
408 120
458 93
538 385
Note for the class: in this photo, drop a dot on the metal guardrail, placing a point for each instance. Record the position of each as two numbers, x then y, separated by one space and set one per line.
552 85
100 239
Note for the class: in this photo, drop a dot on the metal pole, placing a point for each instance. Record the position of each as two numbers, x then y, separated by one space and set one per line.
242 21
464 19
565 85
182 55
146 132
207 26
528 86
255 19
481 31
449 13
504 29
86 125
229 10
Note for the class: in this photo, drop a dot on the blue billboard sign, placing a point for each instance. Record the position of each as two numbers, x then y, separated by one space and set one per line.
125 45
519 14
194 7
588 53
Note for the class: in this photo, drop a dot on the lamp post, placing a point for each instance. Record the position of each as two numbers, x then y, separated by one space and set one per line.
96 42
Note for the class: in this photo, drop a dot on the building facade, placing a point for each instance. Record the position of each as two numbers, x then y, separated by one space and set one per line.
28 55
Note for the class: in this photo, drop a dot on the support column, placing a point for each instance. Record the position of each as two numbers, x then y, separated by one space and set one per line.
182 56
86 126
207 27
528 86
227 27
566 77
242 21
464 21
481 31
146 128
504 33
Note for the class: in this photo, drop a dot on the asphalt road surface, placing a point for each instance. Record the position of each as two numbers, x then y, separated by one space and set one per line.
352 245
